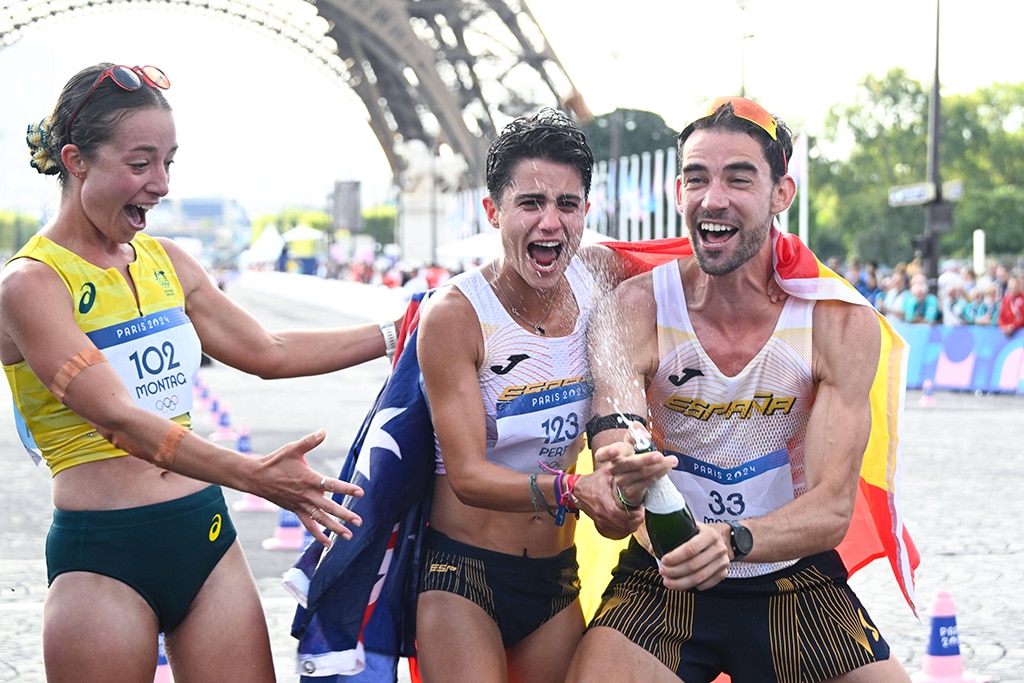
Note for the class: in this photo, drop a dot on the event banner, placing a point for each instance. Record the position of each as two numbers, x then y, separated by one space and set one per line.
964 358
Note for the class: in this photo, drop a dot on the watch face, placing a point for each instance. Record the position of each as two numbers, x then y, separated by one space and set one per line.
742 539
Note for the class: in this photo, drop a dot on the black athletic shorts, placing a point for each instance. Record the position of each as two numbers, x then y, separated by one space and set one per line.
802 624
518 593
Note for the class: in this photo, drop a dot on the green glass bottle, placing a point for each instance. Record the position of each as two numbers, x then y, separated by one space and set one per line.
667 518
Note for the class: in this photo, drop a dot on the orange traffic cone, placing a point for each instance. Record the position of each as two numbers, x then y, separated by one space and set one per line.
289 535
249 502
942 662
163 669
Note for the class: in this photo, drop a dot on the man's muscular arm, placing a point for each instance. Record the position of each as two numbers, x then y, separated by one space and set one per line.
846 351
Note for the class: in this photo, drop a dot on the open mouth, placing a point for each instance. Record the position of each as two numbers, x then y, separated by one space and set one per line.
136 215
715 233
544 254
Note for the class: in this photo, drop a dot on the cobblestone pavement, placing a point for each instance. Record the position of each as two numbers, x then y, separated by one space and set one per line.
961 505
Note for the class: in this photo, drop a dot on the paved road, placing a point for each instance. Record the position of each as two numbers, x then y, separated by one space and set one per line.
962 494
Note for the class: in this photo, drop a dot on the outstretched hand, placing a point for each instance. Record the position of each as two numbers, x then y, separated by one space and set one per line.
286 479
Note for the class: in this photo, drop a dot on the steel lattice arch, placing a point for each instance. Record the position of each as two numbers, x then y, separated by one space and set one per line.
430 73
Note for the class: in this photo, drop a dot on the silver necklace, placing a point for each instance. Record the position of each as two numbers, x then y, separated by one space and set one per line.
515 311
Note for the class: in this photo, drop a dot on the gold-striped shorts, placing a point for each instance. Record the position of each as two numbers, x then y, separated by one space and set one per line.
802 624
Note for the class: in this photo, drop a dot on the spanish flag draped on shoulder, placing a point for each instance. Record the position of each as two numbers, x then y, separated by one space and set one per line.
357 600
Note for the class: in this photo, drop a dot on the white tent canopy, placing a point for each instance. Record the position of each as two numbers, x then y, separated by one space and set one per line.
265 249
302 232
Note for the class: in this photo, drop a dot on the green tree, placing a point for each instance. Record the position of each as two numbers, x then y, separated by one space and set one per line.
983 147
289 218
881 141
15 229
869 146
380 222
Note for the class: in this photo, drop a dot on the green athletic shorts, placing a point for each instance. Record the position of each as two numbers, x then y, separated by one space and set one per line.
802 624
164 551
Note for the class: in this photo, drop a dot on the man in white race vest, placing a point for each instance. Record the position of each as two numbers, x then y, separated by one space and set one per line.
761 407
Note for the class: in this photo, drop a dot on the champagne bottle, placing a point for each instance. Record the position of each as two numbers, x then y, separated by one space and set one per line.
668 519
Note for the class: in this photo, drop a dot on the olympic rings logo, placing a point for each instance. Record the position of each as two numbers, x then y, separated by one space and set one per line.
166 405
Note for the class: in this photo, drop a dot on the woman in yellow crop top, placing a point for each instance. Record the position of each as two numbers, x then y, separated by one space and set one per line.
101 329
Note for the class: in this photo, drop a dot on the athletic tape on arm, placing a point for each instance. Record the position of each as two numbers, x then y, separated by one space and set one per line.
78 362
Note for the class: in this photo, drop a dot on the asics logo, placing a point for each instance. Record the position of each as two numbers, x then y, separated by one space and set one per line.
215 525
88 298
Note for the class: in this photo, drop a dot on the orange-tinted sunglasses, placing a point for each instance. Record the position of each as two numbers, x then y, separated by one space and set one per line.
130 78
748 110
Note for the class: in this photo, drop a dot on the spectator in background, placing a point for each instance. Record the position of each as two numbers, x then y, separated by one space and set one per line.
921 306
870 289
436 275
416 282
989 276
969 279
1011 308
1002 280
950 275
983 307
855 275
894 293
954 305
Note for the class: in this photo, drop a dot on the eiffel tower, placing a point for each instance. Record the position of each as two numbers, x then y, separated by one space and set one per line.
430 72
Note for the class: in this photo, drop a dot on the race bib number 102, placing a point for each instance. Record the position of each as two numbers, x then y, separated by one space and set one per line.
157 357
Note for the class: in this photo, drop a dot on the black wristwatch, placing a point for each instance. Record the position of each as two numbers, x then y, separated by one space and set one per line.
742 540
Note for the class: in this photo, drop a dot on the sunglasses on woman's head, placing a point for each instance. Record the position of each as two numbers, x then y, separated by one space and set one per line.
130 78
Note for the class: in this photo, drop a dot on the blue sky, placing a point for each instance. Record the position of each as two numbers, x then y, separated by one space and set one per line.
258 122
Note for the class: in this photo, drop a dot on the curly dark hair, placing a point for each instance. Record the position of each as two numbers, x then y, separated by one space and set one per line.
549 134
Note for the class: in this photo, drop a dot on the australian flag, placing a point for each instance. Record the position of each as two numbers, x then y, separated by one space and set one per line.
357 598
